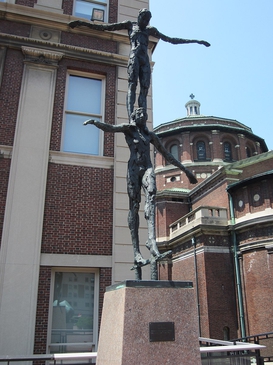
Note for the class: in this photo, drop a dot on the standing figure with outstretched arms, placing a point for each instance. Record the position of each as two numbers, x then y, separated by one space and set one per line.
138 64
140 174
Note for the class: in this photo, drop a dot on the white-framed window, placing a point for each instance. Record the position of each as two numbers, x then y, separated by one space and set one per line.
91 9
73 315
84 100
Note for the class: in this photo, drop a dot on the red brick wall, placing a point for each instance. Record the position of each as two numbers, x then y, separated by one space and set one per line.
245 198
26 2
221 294
166 213
78 211
255 169
213 195
88 41
257 278
10 27
215 284
252 234
42 310
165 270
105 280
9 95
184 270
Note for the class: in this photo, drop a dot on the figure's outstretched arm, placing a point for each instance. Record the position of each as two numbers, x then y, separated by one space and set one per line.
127 24
154 32
170 158
108 127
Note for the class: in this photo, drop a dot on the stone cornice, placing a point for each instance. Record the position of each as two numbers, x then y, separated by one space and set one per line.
41 56
251 219
67 50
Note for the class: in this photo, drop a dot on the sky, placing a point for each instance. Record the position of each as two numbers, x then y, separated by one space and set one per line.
231 79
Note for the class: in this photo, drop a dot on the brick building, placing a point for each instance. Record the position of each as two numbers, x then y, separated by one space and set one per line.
220 230
63 199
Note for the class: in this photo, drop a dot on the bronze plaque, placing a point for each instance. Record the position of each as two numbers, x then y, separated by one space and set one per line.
161 331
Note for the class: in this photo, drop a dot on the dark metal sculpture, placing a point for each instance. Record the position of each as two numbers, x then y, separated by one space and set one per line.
140 174
140 169
138 64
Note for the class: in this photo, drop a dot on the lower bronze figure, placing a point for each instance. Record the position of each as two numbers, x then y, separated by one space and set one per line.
140 175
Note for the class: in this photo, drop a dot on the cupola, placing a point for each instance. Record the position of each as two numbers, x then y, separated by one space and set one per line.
192 106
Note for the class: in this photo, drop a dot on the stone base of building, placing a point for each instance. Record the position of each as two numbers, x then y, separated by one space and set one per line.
149 323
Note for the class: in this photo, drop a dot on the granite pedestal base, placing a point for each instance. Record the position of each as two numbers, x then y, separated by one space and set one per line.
149 323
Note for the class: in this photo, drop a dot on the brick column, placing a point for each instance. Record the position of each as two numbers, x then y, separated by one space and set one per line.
242 149
216 147
187 155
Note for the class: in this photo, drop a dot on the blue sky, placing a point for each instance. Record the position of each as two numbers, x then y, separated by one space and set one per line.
231 79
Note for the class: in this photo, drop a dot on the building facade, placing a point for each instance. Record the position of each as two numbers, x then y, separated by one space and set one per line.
220 230
63 200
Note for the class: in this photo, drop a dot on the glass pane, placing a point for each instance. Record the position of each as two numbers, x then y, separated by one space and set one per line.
83 9
201 150
79 138
84 95
73 312
227 151
174 151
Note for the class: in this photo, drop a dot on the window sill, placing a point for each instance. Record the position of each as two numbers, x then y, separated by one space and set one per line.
67 158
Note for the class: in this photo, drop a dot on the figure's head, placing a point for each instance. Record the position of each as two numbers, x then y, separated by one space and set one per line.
139 117
144 17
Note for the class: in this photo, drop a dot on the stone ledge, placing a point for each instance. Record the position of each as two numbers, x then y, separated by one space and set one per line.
151 284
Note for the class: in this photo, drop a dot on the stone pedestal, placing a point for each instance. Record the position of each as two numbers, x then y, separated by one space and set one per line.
149 323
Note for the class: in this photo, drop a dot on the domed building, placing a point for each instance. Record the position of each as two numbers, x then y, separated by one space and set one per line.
219 230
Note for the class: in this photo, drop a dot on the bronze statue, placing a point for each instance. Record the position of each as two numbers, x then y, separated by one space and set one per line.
138 64
140 174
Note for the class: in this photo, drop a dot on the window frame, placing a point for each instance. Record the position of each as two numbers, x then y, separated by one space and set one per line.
96 304
95 2
88 116
197 150
229 153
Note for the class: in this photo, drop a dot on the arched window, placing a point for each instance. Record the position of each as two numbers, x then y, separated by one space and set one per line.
201 151
226 333
248 152
174 151
227 152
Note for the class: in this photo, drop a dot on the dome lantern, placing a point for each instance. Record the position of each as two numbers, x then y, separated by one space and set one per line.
193 106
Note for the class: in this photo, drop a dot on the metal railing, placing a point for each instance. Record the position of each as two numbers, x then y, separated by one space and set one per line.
266 339
77 358
215 352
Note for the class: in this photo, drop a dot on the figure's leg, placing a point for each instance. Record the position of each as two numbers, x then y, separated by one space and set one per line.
133 72
144 80
133 216
131 98
149 187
